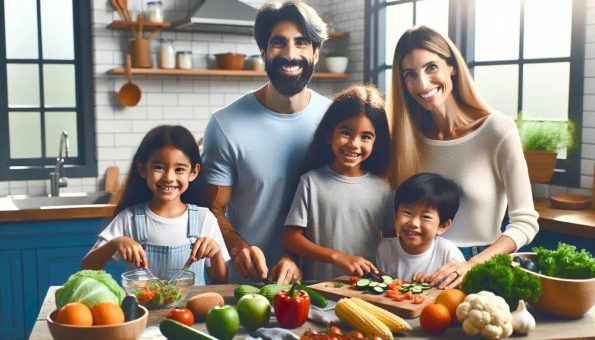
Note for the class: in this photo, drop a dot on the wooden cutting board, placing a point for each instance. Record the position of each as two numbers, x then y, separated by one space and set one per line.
404 309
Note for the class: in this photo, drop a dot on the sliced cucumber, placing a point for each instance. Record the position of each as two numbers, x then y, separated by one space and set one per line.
362 284
406 285
416 290
403 290
382 285
377 290
373 284
387 279
426 286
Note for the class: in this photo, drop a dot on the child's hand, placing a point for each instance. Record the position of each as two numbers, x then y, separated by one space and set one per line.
131 251
204 247
354 265
420 277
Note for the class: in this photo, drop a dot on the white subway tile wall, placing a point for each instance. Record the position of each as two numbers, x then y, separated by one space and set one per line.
190 101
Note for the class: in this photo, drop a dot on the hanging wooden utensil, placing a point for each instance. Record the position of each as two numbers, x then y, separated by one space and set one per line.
124 6
118 9
130 93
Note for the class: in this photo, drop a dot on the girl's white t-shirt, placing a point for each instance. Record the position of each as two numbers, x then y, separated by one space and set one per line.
162 230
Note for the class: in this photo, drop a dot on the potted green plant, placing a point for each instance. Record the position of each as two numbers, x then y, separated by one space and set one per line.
336 61
541 142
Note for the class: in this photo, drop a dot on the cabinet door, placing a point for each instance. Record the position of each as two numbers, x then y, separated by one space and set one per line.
55 265
12 314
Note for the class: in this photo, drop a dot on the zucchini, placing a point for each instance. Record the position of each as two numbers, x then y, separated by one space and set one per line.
376 290
362 284
315 297
172 329
130 308
416 290
387 279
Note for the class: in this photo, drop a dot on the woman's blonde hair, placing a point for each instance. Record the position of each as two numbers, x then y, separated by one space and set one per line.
408 117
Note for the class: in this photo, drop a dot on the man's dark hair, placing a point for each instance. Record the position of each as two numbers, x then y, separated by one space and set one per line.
274 12
433 190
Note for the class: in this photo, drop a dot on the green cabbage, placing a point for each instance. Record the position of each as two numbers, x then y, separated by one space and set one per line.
89 287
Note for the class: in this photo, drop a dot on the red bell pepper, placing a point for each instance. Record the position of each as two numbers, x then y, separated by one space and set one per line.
291 307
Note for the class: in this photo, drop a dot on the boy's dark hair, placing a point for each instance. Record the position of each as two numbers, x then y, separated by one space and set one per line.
273 12
136 190
432 189
351 102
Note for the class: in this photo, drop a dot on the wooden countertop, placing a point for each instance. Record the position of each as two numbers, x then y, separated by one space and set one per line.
58 213
547 327
572 222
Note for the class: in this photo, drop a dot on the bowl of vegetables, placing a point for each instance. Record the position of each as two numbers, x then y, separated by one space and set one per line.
567 279
161 293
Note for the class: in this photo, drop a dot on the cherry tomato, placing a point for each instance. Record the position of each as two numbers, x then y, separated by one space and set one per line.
409 295
399 297
418 299
336 330
182 315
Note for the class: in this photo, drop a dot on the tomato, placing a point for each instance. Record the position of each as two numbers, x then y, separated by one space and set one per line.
182 315
418 299
354 279
336 330
399 297
146 295
409 295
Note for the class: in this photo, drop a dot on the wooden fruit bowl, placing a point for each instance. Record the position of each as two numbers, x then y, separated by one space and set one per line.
123 331
563 297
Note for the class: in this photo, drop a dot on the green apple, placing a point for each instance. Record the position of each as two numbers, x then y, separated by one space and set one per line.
255 311
223 322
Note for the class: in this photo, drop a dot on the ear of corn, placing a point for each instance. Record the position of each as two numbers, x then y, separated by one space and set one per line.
394 322
361 320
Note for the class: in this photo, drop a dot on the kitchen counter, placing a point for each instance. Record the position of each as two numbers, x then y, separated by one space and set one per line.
547 327
571 222
58 213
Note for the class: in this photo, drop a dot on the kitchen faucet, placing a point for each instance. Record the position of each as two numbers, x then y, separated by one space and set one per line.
56 181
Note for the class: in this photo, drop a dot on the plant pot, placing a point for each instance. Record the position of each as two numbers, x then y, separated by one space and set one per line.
336 64
541 165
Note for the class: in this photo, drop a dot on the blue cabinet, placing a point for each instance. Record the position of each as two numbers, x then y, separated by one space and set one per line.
35 255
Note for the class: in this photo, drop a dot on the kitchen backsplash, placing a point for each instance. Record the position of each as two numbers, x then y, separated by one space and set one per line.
190 101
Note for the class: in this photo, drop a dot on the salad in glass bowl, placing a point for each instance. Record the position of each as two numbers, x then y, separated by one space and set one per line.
161 293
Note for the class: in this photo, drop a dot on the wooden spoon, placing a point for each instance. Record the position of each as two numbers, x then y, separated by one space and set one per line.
117 8
130 93
124 6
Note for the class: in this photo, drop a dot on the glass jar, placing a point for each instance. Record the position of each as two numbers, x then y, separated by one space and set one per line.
256 63
167 54
155 11
184 59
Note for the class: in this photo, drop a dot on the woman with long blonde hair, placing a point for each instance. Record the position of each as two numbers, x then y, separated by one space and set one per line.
440 124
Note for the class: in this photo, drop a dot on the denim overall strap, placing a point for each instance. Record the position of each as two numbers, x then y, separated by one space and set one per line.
139 230
196 218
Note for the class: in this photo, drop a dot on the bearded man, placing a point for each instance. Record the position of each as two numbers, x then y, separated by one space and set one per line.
254 148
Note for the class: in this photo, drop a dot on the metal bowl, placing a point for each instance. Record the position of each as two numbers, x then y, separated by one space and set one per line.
155 294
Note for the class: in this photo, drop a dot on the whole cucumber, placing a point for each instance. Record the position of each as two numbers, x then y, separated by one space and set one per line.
315 297
130 308
174 330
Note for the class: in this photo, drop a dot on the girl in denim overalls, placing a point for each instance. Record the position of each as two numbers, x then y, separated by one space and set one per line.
156 224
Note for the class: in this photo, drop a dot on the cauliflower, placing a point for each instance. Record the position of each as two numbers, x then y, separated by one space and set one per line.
485 314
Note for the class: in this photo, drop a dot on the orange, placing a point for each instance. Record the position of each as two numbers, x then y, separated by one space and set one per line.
434 318
107 313
75 313
451 299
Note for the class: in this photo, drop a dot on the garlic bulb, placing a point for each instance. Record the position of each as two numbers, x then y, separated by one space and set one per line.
522 321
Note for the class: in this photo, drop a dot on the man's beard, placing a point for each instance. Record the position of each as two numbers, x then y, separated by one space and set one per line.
289 85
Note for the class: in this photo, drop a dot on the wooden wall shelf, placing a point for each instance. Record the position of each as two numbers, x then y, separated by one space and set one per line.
147 25
337 35
213 73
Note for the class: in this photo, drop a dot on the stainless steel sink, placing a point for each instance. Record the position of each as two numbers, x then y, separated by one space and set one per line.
22 202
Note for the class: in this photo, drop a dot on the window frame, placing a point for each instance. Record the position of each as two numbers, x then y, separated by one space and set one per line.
461 32
85 163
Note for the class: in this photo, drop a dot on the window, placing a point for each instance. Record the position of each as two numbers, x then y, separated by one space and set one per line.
46 87
512 47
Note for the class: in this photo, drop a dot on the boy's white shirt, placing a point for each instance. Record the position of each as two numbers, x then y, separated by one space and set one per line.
163 230
398 263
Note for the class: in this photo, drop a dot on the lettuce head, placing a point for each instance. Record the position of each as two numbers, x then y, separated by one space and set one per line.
89 287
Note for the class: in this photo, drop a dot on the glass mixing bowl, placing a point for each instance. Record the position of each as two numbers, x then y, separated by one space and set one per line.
153 293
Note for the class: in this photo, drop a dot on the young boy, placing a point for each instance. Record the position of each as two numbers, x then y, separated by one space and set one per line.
425 205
